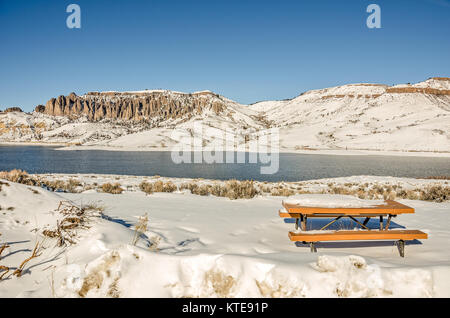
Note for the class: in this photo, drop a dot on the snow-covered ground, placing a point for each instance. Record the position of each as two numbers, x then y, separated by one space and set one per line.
208 246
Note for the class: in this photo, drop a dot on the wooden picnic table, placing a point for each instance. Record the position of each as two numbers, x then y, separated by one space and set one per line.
389 209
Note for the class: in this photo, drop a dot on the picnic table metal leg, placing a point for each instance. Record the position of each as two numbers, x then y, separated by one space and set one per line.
366 221
313 247
323 228
362 225
303 221
296 223
381 223
401 247
388 222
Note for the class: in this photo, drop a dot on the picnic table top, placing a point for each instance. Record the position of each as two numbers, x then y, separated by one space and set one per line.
389 207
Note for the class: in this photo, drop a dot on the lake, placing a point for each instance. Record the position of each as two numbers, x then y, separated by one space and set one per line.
292 167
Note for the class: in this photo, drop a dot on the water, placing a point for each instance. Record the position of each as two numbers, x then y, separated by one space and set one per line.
293 167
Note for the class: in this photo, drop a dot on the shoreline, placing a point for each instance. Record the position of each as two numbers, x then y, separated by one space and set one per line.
333 152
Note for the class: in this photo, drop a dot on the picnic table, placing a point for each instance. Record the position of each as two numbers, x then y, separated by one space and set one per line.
389 209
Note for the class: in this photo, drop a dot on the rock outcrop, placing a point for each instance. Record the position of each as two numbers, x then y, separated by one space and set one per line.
13 109
40 109
137 106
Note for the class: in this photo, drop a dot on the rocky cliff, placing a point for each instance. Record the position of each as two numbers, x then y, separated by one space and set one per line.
137 106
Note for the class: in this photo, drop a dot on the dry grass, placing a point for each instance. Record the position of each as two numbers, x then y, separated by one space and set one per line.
37 251
154 246
5 270
94 280
70 186
158 186
232 189
2 249
73 219
282 191
435 193
221 283
19 176
22 177
112 188
140 228
34 191
3 184
437 178
240 189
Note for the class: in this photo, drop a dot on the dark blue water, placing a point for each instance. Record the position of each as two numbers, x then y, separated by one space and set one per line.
292 167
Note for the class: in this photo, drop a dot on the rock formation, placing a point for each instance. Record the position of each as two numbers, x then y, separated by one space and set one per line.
13 109
137 106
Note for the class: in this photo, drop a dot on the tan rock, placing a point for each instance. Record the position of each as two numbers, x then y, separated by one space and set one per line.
139 106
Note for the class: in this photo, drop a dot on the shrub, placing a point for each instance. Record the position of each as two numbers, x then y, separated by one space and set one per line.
69 186
237 190
19 176
218 190
169 187
146 187
282 192
157 186
435 193
232 189
202 190
112 188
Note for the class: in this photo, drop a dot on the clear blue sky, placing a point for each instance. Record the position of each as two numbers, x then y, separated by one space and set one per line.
245 50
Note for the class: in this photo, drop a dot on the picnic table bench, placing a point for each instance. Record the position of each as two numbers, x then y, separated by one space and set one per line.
389 209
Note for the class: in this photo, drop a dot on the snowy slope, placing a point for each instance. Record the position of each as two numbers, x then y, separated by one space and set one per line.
364 116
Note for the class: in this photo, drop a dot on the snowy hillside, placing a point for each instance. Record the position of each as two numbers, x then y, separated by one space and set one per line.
365 116
413 118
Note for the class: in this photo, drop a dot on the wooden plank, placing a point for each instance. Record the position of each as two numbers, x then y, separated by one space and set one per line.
390 207
406 235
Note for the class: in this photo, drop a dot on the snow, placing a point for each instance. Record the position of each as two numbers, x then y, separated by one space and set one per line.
212 247
334 201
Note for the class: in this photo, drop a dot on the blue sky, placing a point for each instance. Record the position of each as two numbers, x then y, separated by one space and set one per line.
245 50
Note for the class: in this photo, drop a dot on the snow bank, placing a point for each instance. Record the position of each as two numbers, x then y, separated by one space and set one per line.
331 201
130 272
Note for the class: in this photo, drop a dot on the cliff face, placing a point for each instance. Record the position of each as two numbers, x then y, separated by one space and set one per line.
137 106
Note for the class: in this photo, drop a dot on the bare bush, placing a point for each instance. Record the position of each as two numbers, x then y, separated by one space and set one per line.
19 176
146 187
140 228
73 219
232 189
282 192
435 193
112 188
158 186
240 189
37 251
169 187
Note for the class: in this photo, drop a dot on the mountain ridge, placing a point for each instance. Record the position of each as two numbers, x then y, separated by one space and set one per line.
406 117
